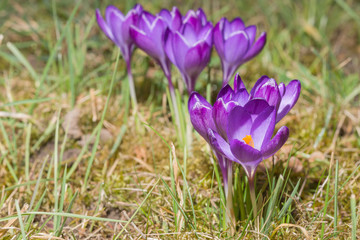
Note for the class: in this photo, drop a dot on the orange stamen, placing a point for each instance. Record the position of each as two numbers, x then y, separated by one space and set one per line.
248 140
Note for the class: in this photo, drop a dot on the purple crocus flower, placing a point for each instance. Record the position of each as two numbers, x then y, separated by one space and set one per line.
116 27
236 44
149 35
212 122
189 48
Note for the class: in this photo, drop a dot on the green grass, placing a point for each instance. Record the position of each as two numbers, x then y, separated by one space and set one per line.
129 176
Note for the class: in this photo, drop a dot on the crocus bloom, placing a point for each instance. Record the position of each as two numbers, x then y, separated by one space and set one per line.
236 44
214 125
189 48
117 29
149 35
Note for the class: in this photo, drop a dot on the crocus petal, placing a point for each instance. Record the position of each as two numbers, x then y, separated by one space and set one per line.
103 25
241 97
238 83
220 145
239 123
147 44
237 24
218 39
246 154
282 89
220 113
263 127
275 143
226 93
196 60
270 92
180 48
235 47
256 48
256 106
251 32
200 114
169 38
259 83
289 99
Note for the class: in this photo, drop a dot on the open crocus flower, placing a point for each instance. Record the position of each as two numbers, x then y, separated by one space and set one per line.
236 44
117 29
212 122
189 48
149 35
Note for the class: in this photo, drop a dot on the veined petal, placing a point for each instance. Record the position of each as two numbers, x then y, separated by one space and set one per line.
289 98
237 24
239 124
271 147
180 48
263 127
196 59
169 38
200 114
282 89
147 44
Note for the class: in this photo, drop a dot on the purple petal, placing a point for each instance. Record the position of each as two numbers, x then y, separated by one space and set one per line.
112 9
169 38
220 145
220 114
263 127
256 48
246 154
241 97
218 39
224 164
200 114
239 124
255 107
251 32
180 48
147 44
282 89
259 83
201 15
270 92
276 143
235 47
226 93
237 24
103 25
196 60
289 99
238 83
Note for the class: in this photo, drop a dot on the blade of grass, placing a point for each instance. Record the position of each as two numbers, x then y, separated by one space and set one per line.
137 210
27 152
68 210
353 216
56 170
289 201
336 195
21 223
97 140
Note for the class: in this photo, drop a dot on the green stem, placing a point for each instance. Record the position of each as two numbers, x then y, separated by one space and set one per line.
131 86
253 199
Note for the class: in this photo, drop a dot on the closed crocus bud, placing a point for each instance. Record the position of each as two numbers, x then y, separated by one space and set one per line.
173 18
189 48
149 35
116 27
236 44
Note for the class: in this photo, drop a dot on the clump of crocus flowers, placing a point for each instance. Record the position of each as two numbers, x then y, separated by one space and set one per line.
240 125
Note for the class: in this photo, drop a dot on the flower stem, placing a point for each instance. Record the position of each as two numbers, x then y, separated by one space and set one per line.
253 200
176 109
131 86
230 216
